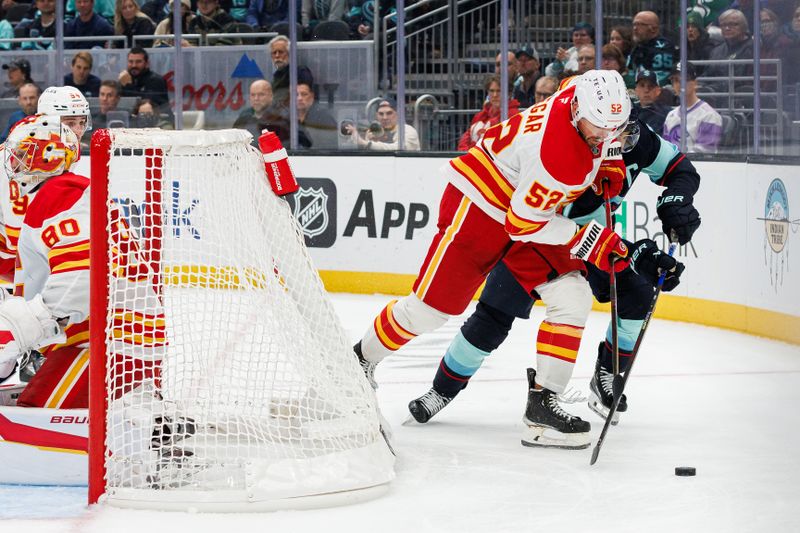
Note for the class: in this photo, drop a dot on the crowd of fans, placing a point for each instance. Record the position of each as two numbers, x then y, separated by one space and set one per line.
348 19
649 63
647 60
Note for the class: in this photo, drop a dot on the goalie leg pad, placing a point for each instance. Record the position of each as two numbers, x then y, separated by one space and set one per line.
62 381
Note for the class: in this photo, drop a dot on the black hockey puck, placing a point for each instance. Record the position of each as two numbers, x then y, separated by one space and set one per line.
685 471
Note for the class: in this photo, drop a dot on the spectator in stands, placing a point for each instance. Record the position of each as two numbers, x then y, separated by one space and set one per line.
361 17
110 92
586 58
6 30
703 123
81 76
792 31
737 44
254 118
567 59
19 73
316 11
27 100
651 111
129 21
104 8
489 115
145 115
774 45
528 67
264 14
165 26
279 52
613 59
87 24
238 10
40 26
699 43
651 52
386 139
622 38
546 86
139 80
317 125
213 19
513 69
157 10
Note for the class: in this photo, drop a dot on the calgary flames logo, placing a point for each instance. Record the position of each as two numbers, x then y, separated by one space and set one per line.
42 156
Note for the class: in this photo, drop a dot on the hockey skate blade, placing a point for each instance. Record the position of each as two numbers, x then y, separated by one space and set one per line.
596 405
544 437
410 421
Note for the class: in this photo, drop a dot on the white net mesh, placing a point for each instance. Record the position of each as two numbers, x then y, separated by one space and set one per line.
230 378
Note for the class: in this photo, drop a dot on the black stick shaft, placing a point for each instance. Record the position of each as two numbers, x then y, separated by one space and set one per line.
619 380
612 283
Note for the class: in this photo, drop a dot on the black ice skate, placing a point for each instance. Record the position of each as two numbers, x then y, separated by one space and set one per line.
427 405
366 366
548 425
601 394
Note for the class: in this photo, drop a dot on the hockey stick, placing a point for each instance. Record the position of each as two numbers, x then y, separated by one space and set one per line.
612 282
618 385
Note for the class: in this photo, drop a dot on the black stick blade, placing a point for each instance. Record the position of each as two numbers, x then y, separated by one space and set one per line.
595 455
617 386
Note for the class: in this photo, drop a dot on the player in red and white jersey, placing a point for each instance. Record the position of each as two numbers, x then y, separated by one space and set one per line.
66 102
504 202
50 308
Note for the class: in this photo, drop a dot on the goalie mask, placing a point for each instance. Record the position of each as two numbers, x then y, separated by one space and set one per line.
66 102
602 99
37 148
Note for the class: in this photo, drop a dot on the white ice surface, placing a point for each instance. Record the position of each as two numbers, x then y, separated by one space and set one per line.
720 401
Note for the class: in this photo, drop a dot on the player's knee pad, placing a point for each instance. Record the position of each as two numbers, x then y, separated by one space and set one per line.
487 327
416 316
568 299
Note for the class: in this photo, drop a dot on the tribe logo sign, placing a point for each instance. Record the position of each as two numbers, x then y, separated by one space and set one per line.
776 225
314 207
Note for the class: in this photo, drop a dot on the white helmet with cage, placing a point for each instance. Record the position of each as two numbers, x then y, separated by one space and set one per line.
602 99
39 147
66 101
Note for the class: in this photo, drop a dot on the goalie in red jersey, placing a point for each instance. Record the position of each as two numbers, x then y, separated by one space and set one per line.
50 307
504 202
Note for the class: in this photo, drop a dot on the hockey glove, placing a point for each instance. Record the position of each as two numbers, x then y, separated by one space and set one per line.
25 325
649 262
678 214
612 176
598 245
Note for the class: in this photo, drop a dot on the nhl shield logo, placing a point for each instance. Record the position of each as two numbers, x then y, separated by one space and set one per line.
311 210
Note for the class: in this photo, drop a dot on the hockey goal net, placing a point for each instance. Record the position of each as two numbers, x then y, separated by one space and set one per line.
221 377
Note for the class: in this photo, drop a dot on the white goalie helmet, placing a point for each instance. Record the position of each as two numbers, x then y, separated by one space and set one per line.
602 99
66 101
39 147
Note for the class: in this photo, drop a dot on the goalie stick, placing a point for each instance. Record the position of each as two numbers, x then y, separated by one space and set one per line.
620 380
